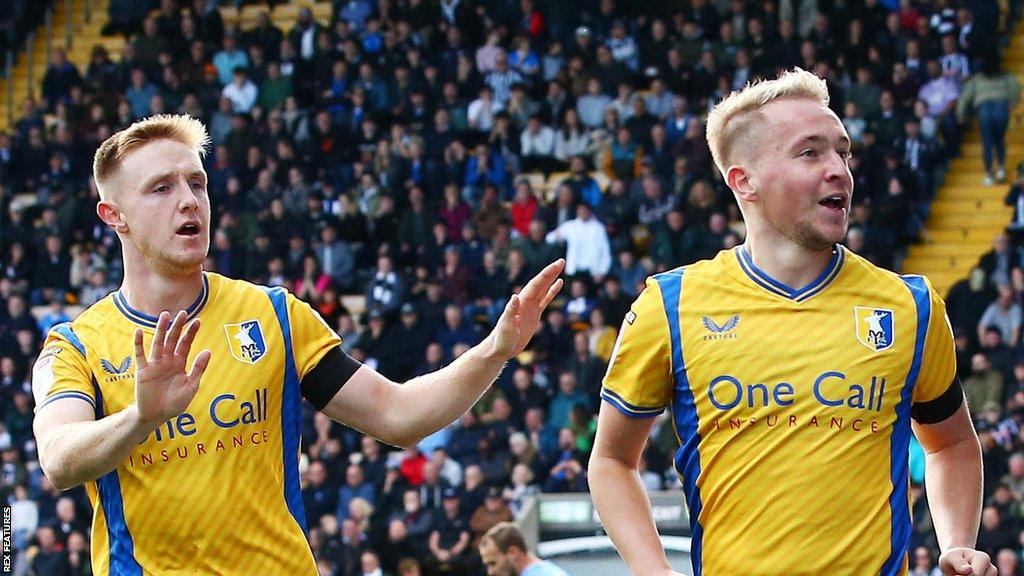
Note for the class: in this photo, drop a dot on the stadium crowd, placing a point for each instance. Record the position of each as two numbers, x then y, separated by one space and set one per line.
17 19
427 157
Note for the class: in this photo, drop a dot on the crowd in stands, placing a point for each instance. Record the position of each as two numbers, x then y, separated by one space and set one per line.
17 19
431 155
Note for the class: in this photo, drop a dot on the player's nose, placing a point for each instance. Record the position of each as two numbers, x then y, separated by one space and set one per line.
188 198
837 169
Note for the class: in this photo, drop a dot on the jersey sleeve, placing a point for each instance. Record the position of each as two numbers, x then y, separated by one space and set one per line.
639 378
61 370
312 338
938 362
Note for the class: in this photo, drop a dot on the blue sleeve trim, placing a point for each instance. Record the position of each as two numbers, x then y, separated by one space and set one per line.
67 394
628 409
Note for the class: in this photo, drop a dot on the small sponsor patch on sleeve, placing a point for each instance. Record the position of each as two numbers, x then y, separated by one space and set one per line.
50 351
630 317
42 376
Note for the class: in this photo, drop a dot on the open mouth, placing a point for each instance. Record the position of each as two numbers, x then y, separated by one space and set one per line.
835 202
188 229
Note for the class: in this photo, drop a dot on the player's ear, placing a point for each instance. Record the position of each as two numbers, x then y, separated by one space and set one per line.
741 181
110 214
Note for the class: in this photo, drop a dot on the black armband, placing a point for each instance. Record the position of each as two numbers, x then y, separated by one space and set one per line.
937 410
332 372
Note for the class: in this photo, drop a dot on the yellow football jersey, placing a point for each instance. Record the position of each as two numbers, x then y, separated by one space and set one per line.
214 490
792 407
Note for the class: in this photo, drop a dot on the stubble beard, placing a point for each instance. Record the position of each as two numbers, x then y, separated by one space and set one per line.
804 234
170 262
808 238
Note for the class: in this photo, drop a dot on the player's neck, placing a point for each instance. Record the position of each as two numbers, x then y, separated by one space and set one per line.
151 293
527 561
786 262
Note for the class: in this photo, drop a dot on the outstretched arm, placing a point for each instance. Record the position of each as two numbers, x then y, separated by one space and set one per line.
402 414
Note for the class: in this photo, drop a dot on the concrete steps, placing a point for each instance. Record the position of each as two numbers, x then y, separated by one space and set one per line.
966 215
26 78
85 35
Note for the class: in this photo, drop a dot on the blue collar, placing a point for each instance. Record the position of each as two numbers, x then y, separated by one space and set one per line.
778 288
148 321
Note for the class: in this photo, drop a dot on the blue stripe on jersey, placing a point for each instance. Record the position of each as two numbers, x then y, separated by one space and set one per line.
900 442
64 329
631 410
122 546
291 409
684 415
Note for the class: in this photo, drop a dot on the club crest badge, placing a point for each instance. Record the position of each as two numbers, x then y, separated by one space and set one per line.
874 327
246 342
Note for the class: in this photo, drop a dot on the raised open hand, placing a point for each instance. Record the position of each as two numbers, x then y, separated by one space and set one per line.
162 388
521 317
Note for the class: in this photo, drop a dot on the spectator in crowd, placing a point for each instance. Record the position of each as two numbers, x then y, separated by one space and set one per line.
940 93
336 257
481 112
397 547
355 487
591 106
50 557
319 497
984 387
991 95
369 563
61 76
995 533
998 262
923 564
24 516
449 540
1008 562
386 287
586 243
493 511
1004 314
241 91
569 395
228 58
537 145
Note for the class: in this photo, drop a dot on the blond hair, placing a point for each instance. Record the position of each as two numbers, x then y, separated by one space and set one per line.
739 113
111 153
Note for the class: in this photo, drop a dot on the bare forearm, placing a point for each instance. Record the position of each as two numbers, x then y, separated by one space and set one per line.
77 452
402 414
630 527
432 401
954 485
